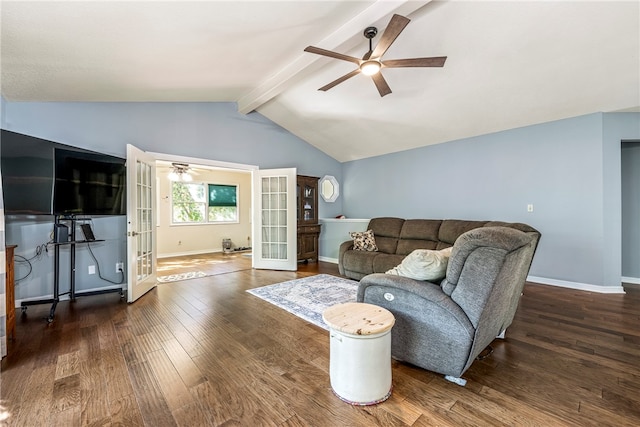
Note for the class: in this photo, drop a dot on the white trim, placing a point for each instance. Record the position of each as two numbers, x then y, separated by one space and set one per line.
344 220
577 285
559 283
202 162
194 252
554 282
66 296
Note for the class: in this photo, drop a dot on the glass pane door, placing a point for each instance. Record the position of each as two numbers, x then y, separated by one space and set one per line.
274 222
274 217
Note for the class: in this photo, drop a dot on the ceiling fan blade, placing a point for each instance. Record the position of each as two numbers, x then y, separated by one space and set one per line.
436 61
331 54
393 30
381 84
340 80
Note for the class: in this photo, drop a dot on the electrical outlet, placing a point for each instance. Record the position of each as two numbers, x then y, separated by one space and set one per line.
119 267
92 269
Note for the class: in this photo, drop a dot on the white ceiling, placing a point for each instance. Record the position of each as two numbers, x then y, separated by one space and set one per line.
510 63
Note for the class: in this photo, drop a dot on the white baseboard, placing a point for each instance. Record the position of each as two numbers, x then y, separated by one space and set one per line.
196 252
577 285
66 296
632 280
554 282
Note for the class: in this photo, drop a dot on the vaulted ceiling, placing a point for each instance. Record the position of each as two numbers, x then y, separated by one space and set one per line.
509 63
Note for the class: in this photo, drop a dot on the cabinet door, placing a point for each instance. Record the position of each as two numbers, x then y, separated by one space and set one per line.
308 204
307 200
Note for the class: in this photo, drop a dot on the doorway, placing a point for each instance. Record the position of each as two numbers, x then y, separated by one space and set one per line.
180 236
630 169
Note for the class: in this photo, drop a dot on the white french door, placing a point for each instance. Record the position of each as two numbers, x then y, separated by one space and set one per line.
274 219
141 230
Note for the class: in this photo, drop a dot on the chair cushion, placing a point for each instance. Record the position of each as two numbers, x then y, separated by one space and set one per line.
387 231
423 264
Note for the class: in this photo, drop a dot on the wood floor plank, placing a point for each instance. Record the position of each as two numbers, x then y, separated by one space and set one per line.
68 364
151 402
213 396
183 363
192 415
94 402
125 412
175 391
206 352
66 418
36 402
66 393
90 344
117 381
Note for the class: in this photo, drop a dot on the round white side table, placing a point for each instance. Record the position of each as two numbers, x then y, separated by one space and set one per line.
360 352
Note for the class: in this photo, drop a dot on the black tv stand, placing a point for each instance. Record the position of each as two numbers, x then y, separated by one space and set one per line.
71 220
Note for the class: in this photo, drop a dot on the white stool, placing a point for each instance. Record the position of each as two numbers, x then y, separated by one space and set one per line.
360 352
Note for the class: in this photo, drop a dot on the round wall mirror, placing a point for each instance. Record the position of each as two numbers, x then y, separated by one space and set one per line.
329 188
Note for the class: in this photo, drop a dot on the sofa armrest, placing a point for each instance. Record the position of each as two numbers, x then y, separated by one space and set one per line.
417 292
344 247
430 331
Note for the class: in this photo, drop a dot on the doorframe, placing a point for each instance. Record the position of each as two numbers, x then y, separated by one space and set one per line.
195 161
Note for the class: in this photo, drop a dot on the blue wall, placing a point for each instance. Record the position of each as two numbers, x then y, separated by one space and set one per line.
213 131
570 170
559 167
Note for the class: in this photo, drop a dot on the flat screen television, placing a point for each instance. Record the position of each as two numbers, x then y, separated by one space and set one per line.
41 177
27 174
88 183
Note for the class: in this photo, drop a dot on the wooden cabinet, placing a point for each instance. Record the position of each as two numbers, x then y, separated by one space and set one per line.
10 292
307 214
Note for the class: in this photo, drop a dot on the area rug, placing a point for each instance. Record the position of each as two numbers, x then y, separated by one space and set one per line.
181 276
308 297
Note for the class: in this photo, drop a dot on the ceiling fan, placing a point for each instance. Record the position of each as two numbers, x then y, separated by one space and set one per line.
372 63
181 172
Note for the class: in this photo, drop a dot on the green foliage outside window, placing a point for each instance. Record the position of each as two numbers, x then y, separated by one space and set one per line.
192 204
188 202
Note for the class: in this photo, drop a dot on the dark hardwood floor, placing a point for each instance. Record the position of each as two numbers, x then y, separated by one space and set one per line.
203 352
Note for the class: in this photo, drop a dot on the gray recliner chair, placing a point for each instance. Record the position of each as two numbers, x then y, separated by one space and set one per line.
444 327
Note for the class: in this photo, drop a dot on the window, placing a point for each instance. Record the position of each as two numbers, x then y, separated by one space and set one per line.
223 206
188 202
199 203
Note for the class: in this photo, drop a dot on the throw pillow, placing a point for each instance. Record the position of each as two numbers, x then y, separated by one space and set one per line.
364 241
423 264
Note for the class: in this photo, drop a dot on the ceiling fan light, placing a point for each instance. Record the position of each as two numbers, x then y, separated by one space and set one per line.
369 68
173 176
186 177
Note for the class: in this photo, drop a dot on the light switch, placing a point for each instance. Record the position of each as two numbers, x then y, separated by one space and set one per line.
530 208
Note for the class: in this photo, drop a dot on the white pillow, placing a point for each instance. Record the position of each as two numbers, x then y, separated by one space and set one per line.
423 264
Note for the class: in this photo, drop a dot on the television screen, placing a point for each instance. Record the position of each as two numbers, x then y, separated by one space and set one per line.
27 174
88 183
